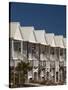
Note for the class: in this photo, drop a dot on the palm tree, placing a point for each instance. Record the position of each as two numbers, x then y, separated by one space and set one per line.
22 69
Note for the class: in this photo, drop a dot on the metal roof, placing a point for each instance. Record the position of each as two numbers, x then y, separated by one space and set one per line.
15 31
27 33
40 36
50 39
59 41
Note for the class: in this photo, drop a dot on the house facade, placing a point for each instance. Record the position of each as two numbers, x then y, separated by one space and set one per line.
46 53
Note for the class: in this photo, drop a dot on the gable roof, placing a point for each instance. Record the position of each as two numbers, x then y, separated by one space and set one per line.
50 39
59 41
40 36
28 34
15 32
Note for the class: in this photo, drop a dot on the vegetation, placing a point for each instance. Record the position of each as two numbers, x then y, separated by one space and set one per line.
20 73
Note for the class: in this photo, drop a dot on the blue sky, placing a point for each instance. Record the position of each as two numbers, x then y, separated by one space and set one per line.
52 18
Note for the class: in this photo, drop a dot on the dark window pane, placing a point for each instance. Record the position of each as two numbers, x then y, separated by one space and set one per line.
61 52
17 46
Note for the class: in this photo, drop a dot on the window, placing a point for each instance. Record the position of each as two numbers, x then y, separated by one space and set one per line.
33 48
65 53
61 52
24 45
42 49
57 52
57 76
17 46
52 51
29 48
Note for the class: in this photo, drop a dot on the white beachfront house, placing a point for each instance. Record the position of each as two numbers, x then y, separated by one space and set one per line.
45 52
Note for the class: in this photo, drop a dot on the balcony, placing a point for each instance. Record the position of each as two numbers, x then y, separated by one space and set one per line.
35 56
17 55
61 64
29 56
42 56
53 57
35 63
61 58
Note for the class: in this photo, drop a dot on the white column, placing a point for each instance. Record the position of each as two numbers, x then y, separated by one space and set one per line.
21 47
12 48
49 61
59 67
21 50
58 76
55 75
37 75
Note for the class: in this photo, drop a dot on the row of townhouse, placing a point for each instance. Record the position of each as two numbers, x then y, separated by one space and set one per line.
45 52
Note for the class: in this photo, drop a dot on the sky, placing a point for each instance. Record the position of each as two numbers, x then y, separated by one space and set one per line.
51 18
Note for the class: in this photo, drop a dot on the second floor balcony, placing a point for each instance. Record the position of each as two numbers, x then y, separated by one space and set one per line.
61 58
17 55
43 56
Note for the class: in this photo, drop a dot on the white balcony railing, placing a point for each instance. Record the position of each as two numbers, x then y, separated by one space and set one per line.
61 58
43 56
35 56
53 57
29 56
18 55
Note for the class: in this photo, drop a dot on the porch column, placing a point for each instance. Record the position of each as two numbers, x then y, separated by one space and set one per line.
32 61
12 48
39 64
55 74
22 50
37 76
49 63
21 47
55 65
27 50
13 60
14 73
59 66
58 76
45 74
